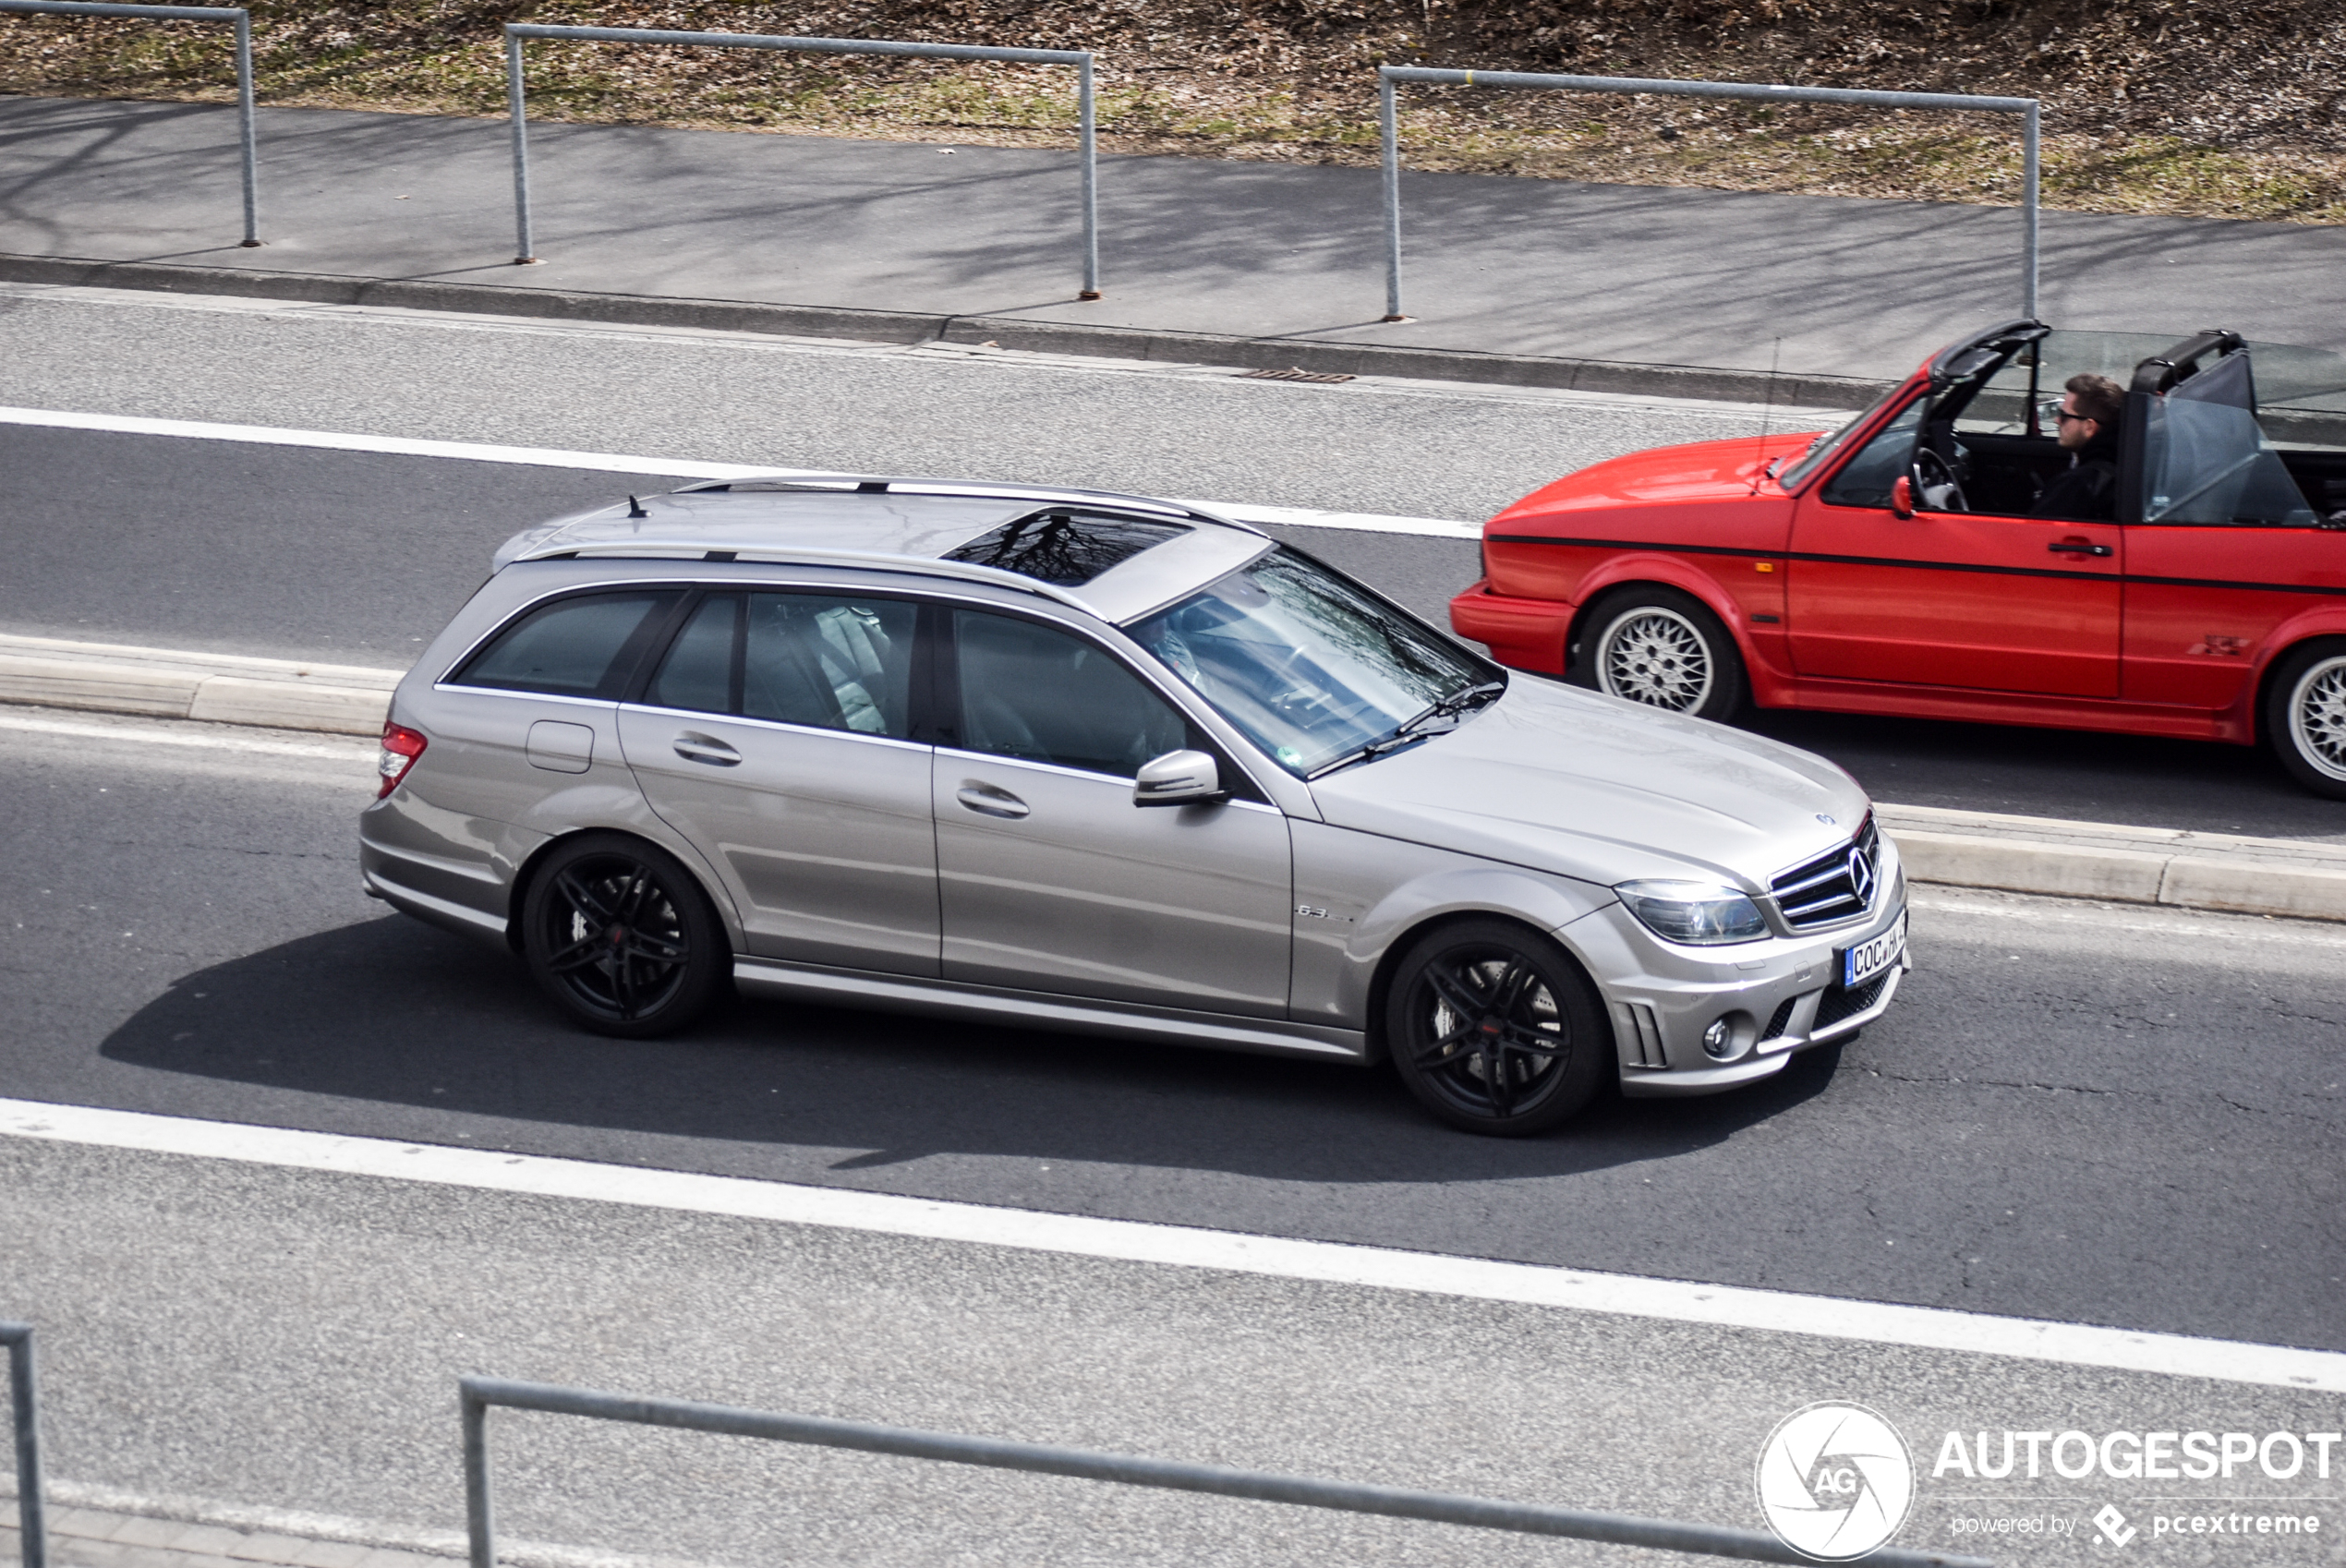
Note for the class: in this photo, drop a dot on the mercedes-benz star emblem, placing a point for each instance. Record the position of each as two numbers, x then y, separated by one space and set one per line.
1861 875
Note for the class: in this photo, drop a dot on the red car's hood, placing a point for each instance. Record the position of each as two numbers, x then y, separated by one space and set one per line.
1702 471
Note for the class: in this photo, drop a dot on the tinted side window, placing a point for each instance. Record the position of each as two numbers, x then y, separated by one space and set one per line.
585 647
830 662
699 672
1865 479
1045 695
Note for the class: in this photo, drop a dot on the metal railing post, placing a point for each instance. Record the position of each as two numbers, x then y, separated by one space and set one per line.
1389 123
516 110
1768 93
24 1398
1087 136
1081 59
248 135
480 1519
246 131
2028 179
1171 1475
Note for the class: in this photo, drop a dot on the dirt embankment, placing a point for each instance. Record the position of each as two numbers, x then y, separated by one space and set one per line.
2180 106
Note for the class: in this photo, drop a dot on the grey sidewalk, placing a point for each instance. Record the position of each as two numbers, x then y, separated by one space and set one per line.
1282 257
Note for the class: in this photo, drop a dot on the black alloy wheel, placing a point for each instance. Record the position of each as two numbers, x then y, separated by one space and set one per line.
1495 1030
619 933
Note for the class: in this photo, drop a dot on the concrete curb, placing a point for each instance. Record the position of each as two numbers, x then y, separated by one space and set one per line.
217 688
2289 877
1697 382
1963 849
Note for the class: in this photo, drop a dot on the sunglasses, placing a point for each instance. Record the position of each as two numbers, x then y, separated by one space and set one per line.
2055 411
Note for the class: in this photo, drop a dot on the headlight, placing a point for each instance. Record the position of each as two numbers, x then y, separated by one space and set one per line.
1700 914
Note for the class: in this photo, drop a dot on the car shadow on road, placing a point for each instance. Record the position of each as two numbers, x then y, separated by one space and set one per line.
391 1012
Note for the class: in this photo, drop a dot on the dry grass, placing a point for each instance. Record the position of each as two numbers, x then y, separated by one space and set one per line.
2248 127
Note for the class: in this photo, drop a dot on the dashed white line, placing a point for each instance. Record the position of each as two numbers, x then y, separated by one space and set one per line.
1131 1241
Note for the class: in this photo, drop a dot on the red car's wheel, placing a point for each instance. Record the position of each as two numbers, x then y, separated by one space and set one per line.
1664 648
2305 717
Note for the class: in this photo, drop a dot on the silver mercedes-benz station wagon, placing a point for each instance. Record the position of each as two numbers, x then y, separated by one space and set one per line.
1100 763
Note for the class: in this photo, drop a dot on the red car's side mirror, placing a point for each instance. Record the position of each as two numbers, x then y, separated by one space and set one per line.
1902 497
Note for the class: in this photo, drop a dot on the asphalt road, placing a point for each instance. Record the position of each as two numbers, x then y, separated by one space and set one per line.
2117 1115
359 557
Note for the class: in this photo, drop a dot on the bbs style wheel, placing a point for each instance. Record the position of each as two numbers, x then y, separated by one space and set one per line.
2304 717
1665 649
1495 1031
619 933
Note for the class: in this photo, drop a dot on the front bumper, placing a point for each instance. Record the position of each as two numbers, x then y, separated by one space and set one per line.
1781 997
1520 633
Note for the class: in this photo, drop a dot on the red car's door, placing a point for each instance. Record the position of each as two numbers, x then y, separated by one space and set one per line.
1948 597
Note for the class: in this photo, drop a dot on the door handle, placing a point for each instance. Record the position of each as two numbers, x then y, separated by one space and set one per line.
987 801
708 749
2078 547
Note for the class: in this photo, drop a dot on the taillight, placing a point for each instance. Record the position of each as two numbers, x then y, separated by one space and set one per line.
401 747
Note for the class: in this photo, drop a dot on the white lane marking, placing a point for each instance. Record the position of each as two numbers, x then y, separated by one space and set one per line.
613 463
208 738
1132 1241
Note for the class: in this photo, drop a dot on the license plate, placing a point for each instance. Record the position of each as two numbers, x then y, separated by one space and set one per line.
1867 959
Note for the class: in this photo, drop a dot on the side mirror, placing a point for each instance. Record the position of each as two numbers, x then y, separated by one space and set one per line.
1178 779
1902 497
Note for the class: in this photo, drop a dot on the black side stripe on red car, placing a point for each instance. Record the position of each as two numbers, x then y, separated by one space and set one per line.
1925 565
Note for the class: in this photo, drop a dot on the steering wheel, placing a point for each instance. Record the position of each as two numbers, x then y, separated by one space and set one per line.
1934 477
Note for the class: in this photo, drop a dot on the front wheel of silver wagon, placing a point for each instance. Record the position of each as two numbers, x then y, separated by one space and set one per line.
1494 1029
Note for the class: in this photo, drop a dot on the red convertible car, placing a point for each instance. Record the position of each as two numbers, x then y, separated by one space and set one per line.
1894 566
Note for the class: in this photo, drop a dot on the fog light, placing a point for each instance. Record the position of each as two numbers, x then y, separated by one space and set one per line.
1718 1040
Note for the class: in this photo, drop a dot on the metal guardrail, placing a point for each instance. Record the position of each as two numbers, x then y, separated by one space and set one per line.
476 1394
1388 77
24 1400
243 20
1087 139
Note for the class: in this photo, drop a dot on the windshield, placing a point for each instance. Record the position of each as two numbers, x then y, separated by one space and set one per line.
1820 450
1312 667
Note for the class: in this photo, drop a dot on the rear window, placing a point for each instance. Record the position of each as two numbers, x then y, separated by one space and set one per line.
585 647
1067 549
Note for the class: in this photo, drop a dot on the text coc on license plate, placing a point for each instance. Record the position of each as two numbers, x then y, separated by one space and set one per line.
1862 962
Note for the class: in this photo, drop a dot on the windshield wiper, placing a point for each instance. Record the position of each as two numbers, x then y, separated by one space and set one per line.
1458 702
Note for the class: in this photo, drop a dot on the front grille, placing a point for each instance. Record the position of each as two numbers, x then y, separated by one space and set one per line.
1837 1004
1831 888
1780 1021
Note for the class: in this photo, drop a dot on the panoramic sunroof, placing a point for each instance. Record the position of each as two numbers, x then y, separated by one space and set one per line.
1063 548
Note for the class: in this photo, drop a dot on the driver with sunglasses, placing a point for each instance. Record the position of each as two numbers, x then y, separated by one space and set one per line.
2086 422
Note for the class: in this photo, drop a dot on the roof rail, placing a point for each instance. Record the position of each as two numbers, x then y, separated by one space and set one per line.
864 560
